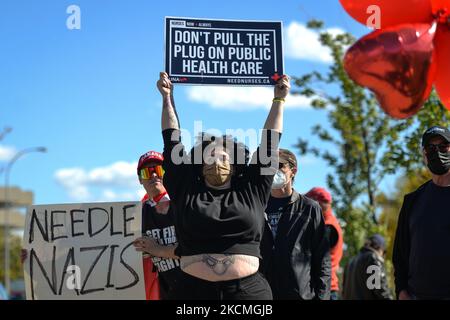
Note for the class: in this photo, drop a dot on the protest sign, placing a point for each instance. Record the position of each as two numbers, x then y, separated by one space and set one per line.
204 51
83 251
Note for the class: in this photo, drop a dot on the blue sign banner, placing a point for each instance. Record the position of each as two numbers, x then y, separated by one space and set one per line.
223 52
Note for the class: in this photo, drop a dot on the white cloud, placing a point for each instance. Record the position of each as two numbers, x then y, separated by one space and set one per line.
6 153
74 181
241 98
303 43
120 173
109 195
115 182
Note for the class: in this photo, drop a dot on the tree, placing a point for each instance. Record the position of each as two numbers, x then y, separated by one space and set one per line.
360 134
366 144
406 152
16 270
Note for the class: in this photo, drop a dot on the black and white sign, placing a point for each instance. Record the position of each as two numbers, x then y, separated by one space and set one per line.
223 52
83 251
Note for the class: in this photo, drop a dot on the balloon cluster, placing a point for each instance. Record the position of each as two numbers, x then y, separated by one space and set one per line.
402 60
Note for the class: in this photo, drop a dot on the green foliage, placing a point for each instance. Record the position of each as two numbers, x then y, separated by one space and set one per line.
365 146
16 270
406 152
360 133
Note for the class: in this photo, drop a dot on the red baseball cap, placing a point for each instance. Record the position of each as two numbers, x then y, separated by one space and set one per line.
150 156
319 194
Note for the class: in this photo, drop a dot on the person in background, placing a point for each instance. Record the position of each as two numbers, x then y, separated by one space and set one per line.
295 249
421 255
158 230
334 231
364 275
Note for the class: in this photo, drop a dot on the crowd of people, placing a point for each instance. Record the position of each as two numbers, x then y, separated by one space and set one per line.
241 231
219 224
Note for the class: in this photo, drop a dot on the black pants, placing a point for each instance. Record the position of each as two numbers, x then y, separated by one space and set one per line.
253 287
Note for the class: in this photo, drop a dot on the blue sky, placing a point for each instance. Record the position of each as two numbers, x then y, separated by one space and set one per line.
89 95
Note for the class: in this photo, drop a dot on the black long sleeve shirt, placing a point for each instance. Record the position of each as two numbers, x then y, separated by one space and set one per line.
421 250
216 221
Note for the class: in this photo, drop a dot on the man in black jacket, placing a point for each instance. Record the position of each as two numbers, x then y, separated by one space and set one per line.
421 255
365 275
295 249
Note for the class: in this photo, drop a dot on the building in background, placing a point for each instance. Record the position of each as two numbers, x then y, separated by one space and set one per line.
17 199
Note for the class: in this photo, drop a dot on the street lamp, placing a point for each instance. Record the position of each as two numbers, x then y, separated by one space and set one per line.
7 205
5 132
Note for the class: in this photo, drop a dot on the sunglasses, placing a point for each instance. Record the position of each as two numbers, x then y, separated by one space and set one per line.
146 173
443 147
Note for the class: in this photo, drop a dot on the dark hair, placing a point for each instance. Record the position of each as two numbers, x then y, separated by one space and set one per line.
376 242
238 152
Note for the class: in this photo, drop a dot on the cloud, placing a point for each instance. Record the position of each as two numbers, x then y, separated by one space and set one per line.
303 43
241 98
115 182
109 195
74 181
6 153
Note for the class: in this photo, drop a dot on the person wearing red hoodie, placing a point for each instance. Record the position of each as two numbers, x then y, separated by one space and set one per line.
336 240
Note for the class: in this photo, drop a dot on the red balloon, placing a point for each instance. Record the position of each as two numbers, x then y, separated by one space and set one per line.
442 83
397 65
440 4
392 12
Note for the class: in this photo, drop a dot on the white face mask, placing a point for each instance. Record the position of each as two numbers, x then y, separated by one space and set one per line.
279 180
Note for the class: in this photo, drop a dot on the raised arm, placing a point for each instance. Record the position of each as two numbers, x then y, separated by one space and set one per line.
267 155
274 120
169 117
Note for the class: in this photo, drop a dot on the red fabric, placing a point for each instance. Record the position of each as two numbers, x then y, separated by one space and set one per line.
151 280
319 194
159 196
337 251
155 199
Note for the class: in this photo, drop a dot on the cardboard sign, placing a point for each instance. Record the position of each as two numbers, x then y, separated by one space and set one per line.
83 251
223 52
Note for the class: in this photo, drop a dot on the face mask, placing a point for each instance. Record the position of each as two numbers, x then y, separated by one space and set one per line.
279 180
217 174
438 162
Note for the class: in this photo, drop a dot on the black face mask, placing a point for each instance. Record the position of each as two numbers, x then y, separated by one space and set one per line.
438 162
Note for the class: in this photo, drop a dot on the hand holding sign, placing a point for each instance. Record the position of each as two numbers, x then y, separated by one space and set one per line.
23 255
164 85
147 245
282 87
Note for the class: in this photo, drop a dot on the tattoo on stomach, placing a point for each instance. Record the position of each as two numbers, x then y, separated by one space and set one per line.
218 266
